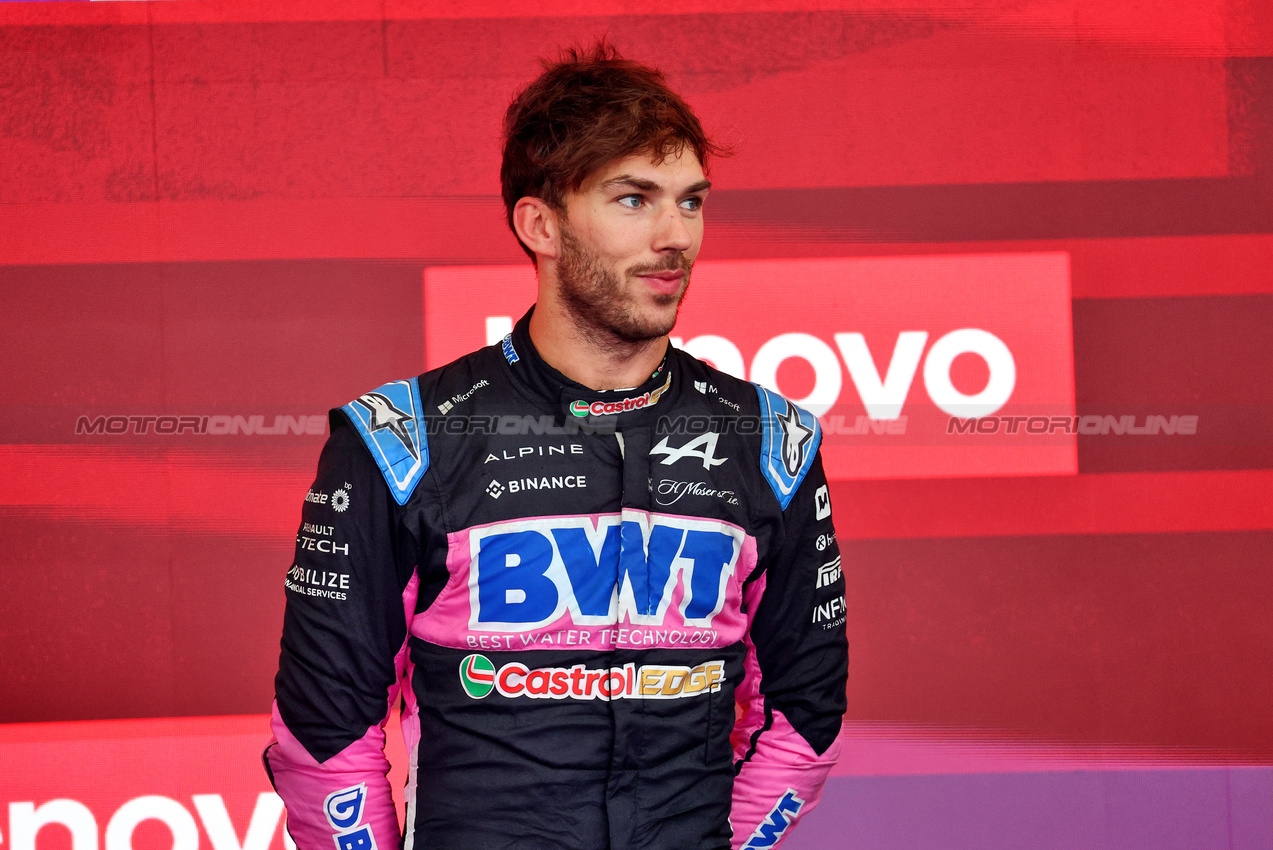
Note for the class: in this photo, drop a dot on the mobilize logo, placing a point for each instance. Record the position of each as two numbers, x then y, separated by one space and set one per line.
649 681
323 584
609 408
527 574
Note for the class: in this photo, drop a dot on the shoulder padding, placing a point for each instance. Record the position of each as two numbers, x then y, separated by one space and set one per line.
390 419
789 440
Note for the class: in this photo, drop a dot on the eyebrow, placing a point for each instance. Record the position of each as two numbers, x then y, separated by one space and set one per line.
649 185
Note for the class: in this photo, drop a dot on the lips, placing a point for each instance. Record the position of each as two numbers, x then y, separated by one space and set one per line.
666 283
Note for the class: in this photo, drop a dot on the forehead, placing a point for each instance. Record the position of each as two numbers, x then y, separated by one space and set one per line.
673 174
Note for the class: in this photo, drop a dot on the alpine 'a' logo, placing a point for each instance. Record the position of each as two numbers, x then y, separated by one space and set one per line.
795 440
385 415
477 676
702 447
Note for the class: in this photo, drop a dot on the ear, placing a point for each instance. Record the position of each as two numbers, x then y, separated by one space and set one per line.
536 225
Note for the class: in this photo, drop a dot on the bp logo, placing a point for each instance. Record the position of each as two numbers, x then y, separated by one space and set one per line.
477 675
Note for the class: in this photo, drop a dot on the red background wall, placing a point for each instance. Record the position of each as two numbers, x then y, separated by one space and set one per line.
227 209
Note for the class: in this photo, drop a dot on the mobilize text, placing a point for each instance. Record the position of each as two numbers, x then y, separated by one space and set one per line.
320 583
526 574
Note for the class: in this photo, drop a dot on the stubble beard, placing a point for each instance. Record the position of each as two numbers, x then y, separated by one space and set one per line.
595 297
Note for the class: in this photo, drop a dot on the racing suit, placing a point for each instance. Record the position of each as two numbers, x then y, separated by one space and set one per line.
570 591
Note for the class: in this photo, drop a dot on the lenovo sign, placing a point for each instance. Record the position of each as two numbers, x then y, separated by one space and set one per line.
182 783
893 354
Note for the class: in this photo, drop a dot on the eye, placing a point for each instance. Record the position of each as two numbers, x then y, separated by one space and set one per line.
693 203
632 202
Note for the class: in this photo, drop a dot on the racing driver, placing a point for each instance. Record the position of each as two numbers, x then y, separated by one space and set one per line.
599 574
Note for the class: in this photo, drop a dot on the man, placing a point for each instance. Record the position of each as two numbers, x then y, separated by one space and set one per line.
571 554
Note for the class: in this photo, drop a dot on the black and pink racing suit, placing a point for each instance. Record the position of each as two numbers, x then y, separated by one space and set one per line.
613 619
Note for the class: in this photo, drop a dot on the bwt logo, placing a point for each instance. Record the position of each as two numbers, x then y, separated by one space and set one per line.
526 574
778 821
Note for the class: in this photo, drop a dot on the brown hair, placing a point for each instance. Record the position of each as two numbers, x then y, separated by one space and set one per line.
587 109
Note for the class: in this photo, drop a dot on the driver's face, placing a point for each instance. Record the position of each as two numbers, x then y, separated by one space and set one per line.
629 239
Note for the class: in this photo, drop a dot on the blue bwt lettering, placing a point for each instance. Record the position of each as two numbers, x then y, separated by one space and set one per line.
629 574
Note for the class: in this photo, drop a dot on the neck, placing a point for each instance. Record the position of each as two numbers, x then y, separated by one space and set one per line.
590 356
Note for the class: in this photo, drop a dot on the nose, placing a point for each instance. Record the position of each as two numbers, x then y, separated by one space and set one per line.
673 233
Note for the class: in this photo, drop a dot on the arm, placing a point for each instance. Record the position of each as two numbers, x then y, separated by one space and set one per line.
793 696
343 651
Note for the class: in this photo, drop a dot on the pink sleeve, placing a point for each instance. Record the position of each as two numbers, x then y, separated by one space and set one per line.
345 799
781 775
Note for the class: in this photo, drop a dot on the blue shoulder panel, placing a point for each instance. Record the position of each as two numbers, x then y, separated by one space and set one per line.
390 419
788 443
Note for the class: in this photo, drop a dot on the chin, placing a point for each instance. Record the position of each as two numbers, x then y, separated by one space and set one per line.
660 325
